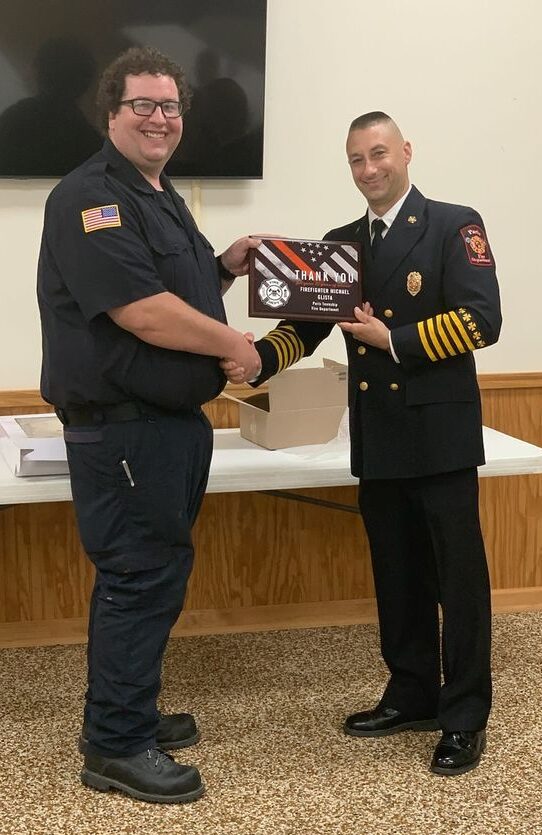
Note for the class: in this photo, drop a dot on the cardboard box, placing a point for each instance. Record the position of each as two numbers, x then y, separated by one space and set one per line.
33 444
302 406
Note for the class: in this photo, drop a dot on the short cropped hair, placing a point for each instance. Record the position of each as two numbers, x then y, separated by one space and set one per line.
375 117
135 61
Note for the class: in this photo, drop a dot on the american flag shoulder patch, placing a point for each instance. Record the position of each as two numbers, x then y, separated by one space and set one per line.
101 217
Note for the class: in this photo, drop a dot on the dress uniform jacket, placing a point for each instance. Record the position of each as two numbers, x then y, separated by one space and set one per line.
416 438
434 285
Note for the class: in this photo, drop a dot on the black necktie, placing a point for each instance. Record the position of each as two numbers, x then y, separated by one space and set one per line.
377 227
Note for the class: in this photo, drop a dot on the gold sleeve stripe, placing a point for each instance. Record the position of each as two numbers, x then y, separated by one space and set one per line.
291 344
427 348
451 330
297 344
298 347
432 335
280 351
459 325
443 336
288 346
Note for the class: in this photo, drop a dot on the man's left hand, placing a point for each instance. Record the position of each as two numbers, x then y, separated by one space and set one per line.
368 328
235 257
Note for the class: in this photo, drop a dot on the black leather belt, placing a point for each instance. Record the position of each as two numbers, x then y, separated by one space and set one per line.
96 415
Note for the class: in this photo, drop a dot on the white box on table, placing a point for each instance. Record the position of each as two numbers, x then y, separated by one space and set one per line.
33 444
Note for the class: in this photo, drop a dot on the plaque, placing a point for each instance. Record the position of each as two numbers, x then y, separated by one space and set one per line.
298 279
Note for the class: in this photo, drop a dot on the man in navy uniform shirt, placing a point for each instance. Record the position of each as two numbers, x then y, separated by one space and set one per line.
130 296
431 300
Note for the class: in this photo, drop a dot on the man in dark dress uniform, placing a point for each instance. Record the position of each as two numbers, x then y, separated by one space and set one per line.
416 440
133 328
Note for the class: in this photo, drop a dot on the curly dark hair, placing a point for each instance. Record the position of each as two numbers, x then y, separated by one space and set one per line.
135 61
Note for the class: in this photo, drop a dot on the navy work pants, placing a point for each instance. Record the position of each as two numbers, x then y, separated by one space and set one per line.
137 488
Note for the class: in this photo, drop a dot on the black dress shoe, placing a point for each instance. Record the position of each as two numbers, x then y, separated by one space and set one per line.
178 730
151 775
383 721
458 752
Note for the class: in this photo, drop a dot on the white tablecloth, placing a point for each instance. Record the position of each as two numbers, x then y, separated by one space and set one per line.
239 465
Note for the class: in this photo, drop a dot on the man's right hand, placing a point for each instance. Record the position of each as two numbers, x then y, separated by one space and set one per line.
244 363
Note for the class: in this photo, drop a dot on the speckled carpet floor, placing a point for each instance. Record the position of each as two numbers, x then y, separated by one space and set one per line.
273 756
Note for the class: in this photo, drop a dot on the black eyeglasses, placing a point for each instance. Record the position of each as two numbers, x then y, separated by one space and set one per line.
146 107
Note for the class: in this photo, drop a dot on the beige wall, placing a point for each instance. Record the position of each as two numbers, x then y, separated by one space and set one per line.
463 82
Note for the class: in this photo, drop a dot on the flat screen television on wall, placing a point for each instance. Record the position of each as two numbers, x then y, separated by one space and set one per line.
53 51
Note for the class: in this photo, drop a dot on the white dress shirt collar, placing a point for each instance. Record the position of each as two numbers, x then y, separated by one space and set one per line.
390 215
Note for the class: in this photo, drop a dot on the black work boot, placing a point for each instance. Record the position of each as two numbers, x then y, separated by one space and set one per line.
178 730
151 775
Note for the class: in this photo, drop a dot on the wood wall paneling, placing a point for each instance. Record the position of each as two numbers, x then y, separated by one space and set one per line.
512 403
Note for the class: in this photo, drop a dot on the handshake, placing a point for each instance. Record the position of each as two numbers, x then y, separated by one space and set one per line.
244 365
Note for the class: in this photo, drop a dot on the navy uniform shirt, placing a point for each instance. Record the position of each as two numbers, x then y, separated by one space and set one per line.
110 239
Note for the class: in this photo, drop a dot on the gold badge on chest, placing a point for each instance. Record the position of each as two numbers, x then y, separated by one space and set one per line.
414 283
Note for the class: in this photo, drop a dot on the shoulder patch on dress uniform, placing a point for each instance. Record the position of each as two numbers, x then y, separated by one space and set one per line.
101 217
478 250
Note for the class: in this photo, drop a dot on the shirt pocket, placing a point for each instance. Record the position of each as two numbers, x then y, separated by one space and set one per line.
204 241
206 257
175 263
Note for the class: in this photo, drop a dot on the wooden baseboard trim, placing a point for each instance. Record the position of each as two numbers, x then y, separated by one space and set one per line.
516 600
27 398
267 618
31 398
513 380
23 399
247 619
